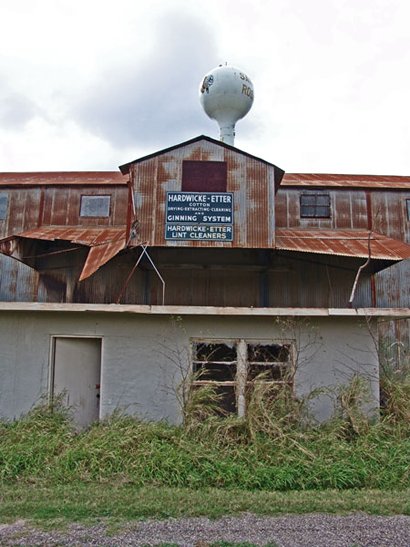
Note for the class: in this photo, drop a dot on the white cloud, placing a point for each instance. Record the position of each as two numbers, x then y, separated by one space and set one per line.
94 84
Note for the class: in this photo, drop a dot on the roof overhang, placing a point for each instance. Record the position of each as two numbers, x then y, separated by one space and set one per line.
345 243
103 243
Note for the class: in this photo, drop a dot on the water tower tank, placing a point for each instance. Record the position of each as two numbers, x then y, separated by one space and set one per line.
226 95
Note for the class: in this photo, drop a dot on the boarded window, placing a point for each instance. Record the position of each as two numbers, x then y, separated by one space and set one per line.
232 367
204 176
4 201
315 205
95 206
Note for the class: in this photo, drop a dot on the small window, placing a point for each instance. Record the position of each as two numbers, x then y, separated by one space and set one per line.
315 205
4 201
408 209
232 367
95 206
204 176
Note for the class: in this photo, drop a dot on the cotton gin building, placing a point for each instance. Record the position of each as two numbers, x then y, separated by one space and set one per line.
198 259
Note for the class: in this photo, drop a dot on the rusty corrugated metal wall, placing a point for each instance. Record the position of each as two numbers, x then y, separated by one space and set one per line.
349 210
18 282
23 210
250 180
29 208
384 211
61 206
253 278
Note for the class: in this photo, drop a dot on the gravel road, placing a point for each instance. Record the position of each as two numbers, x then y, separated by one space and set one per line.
315 530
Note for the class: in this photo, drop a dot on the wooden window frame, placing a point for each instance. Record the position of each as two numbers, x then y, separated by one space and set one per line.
316 207
241 382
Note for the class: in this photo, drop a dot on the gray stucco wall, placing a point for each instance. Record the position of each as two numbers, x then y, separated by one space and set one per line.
143 355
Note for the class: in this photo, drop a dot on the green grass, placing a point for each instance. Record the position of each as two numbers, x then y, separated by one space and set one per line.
44 449
123 469
80 502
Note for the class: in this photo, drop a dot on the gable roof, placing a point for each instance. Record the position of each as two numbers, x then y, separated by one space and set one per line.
278 172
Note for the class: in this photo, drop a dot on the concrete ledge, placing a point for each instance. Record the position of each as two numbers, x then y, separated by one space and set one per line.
393 313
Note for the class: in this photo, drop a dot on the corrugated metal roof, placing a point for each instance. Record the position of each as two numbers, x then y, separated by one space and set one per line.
51 178
350 181
353 243
105 243
98 256
84 236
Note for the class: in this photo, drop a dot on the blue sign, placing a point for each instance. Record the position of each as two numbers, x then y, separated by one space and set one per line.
199 216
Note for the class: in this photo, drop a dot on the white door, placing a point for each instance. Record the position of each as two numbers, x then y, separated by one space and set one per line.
76 376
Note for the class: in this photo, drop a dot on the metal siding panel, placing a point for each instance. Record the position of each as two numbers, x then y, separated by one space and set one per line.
293 210
48 202
393 286
358 206
59 207
22 211
314 282
390 215
342 212
247 178
257 207
119 206
281 209
18 282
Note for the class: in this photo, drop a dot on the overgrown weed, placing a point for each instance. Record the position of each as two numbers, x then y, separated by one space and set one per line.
276 446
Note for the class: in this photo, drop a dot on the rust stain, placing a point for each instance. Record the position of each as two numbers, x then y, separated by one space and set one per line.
342 243
85 236
51 178
104 243
341 181
100 255
248 179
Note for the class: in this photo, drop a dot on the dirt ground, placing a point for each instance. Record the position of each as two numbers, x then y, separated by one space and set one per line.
315 530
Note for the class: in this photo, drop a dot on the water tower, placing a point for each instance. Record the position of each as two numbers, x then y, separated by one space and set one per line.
226 95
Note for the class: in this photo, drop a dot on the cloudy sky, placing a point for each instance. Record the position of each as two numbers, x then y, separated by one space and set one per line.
92 84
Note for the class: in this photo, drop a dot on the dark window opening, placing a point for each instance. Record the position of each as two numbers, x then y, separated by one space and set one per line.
269 360
204 176
231 368
268 372
215 352
408 209
95 206
315 205
217 372
227 402
268 353
4 201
